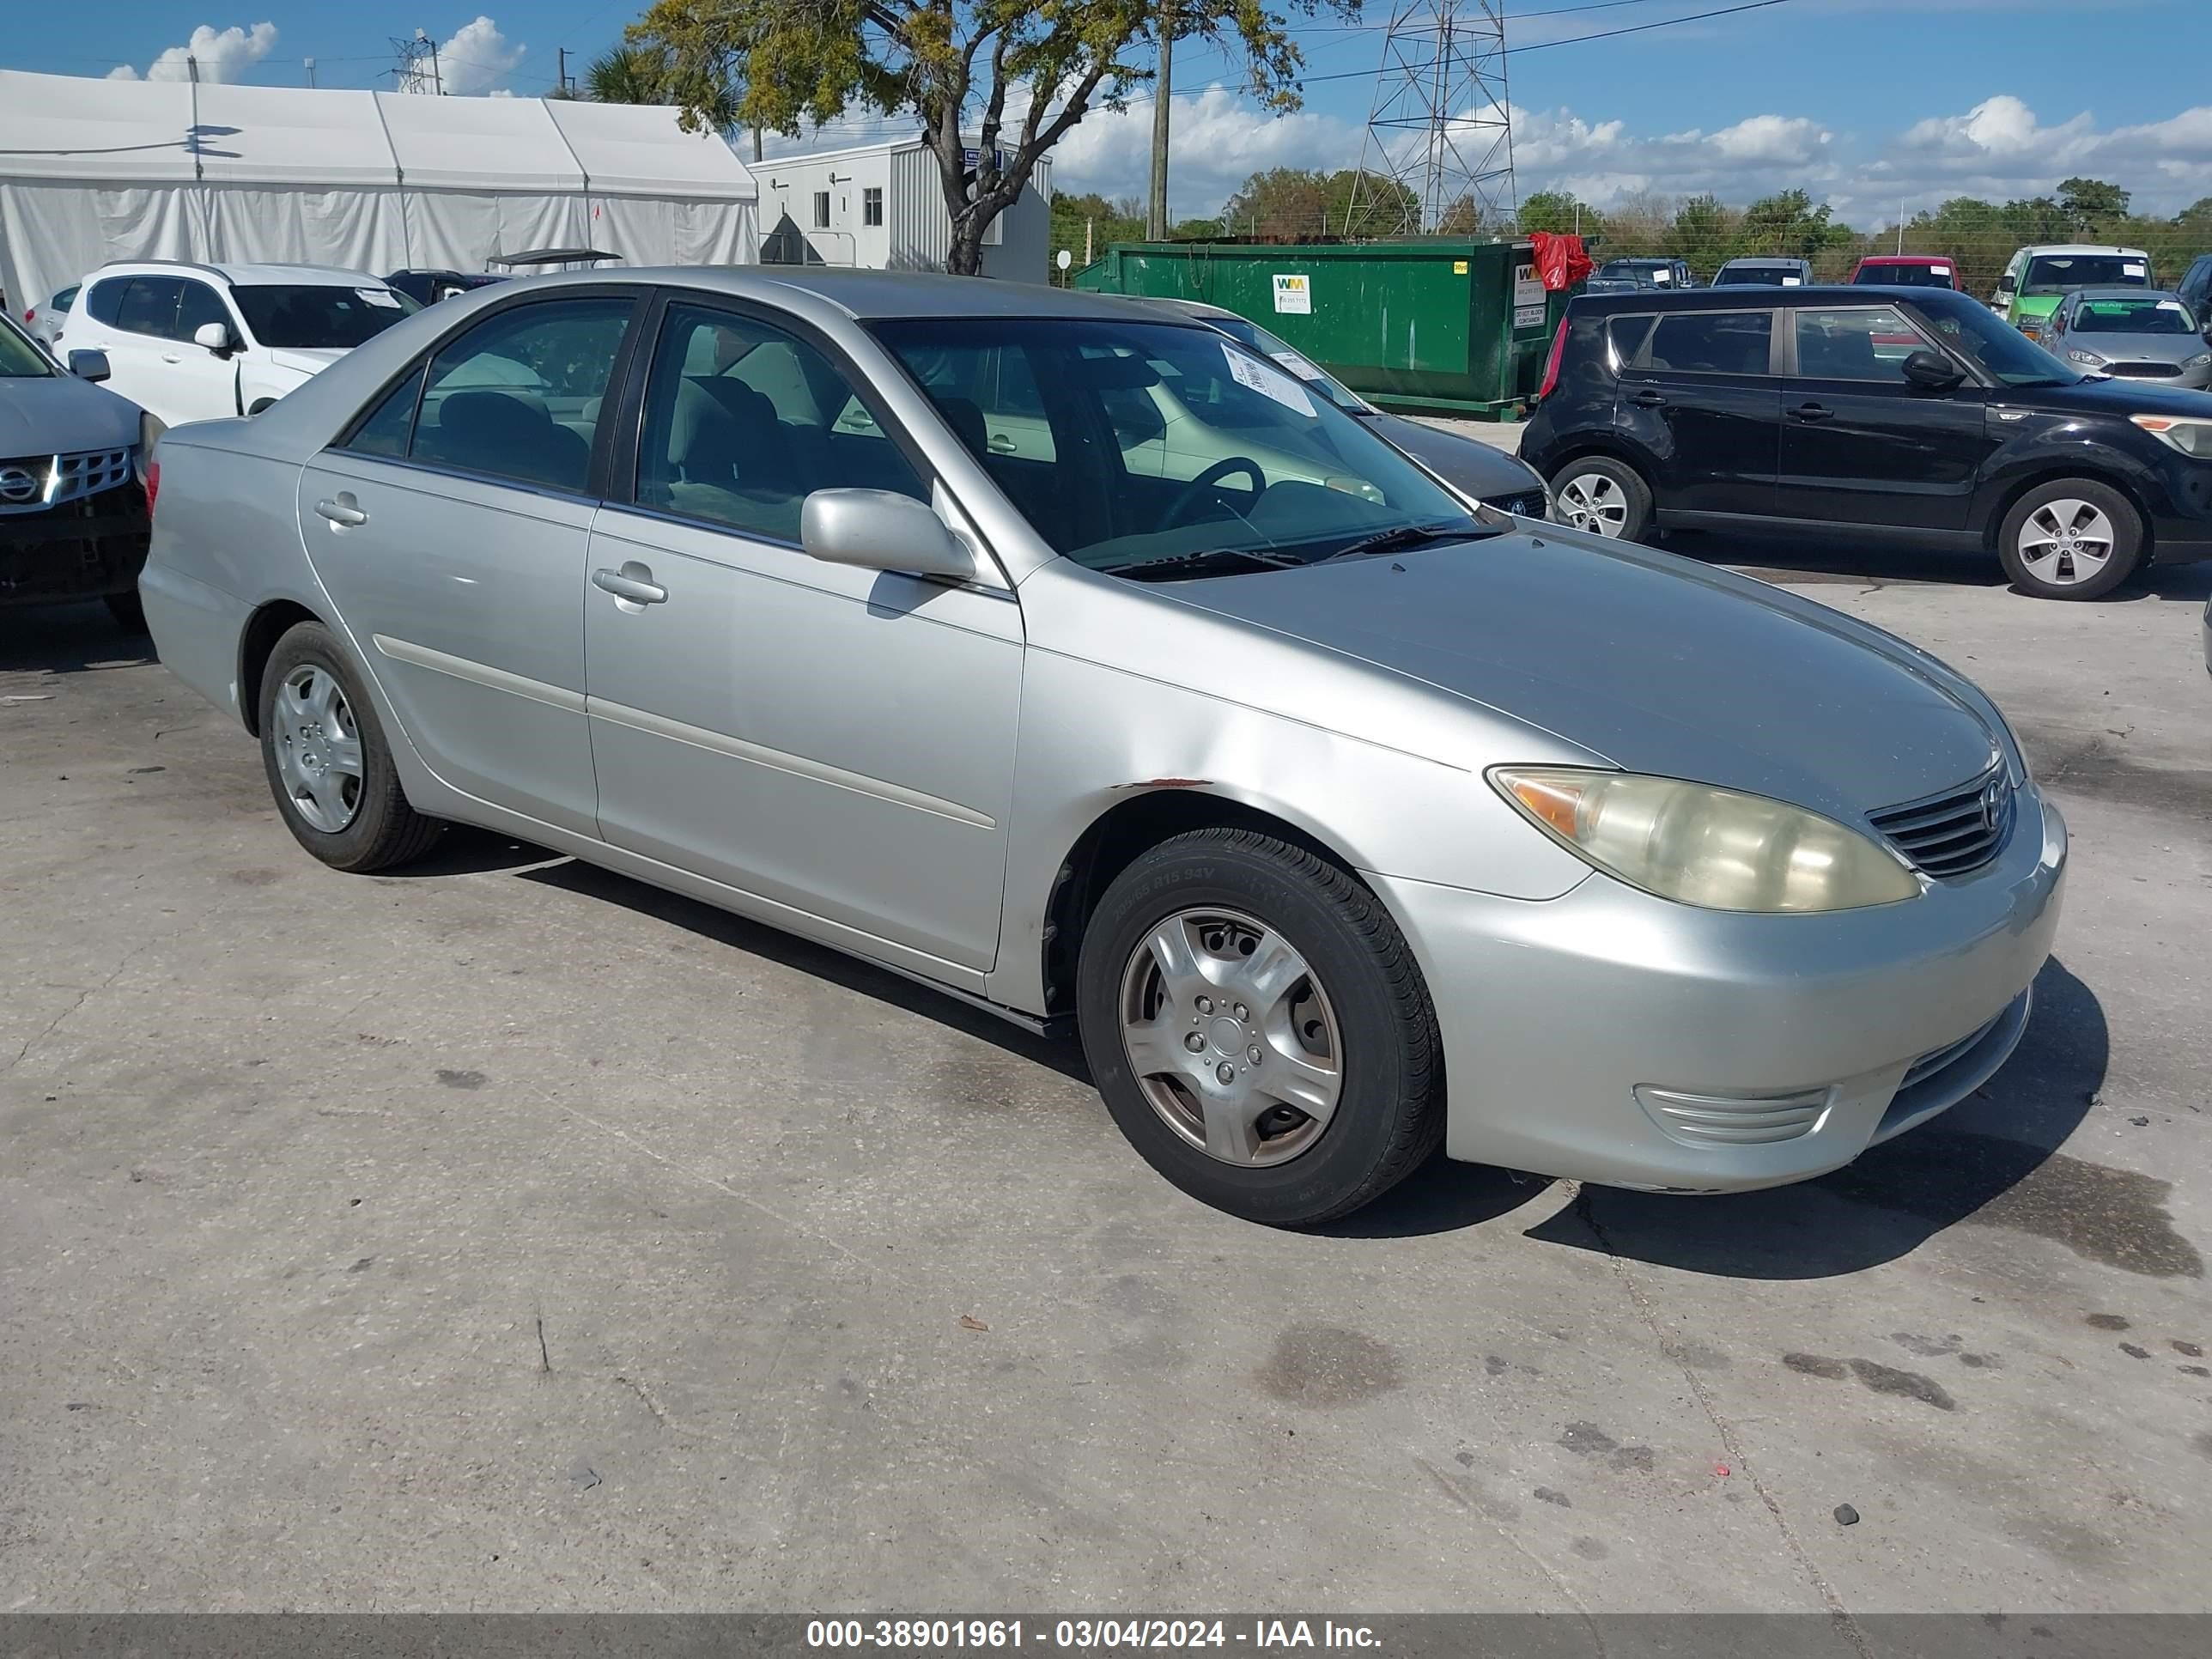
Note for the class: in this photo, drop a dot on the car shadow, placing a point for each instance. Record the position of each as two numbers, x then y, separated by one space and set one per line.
1063 1055
1993 1159
465 850
1834 557
68 639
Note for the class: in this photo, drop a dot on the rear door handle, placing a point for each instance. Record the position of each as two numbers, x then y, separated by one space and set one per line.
633 582
1813 411
341 510
1647 399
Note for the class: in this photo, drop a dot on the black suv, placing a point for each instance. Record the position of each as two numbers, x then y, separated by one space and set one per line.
1911 412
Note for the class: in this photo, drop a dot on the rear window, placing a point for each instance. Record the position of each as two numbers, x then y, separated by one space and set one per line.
1710 343
1919 276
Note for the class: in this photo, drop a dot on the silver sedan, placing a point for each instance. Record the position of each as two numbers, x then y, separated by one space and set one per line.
1342 821
2133 334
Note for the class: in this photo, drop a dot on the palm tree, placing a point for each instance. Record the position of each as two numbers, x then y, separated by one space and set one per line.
630 75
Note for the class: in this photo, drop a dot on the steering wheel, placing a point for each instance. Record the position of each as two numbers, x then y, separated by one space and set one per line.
1206 480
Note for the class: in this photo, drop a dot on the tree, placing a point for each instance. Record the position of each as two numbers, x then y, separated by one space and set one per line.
629 75
1703 233
2092 204
1283 202
1789 224
1023 73
1559 210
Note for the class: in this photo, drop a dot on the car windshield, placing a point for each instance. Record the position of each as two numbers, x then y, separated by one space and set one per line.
2061 273
1130 445
1637 271
1276 348
19 359
1770 276
2133 316
1923 276
321 316
1994 346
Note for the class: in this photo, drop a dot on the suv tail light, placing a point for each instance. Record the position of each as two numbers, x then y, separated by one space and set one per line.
152 486
1551 363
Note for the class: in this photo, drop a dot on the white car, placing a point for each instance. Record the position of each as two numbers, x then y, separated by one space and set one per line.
189 342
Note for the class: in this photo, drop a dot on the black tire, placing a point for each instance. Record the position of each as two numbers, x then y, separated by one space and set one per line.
1635 520
384 830
1388 1117
260 403
130 615
2059 582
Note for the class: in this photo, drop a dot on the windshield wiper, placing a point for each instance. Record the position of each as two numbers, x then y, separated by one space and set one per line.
1181 563
1411 535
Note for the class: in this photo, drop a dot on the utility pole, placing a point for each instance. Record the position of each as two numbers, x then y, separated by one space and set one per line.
437 77
1901 227
1156 224
756 144
561 71
311 71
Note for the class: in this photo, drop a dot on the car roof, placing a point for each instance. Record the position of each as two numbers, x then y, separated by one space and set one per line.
1907 259
2122 291
1766 259
242 275
2037 248
1747 297
863 295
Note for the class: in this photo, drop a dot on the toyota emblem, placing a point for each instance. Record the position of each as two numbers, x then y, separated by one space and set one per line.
19 485
1993 800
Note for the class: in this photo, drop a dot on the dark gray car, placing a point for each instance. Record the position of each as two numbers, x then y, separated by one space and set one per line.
1478 471
73 518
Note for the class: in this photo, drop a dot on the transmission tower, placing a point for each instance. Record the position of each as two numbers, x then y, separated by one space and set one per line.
417 68
1438 154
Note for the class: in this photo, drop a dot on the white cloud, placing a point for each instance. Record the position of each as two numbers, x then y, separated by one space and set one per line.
221 55
2000 149
477 58
1219 141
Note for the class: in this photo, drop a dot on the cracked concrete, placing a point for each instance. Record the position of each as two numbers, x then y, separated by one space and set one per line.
508 1235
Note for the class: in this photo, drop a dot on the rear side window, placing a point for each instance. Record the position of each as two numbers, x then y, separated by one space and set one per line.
105 302
1626 335
391 422
149 306
520 396
1710 343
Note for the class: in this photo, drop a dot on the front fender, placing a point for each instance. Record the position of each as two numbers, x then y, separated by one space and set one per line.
2052 447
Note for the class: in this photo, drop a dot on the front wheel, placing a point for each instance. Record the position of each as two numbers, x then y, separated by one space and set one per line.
1259 1028
2072 539
1604 497
327 761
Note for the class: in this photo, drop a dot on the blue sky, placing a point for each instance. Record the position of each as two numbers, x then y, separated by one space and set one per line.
1862 101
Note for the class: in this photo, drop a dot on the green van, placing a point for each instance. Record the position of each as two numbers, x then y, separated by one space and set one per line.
2040 277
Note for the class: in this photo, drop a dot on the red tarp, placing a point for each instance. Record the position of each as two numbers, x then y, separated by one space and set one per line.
1560 260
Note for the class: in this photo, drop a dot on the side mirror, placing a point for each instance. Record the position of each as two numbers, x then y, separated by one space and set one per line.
89 365
1931 371
213 336
878 529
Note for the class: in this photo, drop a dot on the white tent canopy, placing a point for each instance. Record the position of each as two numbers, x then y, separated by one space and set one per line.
92 171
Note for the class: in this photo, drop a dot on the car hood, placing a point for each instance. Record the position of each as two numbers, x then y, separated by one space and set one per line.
305 360
2106 395
2140 348
1654 663
1467 464
62 416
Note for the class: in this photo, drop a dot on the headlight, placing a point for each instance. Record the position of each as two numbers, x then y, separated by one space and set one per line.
2089 357
2190 437
2199 361
1717 848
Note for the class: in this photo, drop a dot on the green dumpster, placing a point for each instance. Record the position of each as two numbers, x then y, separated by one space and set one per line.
1447 325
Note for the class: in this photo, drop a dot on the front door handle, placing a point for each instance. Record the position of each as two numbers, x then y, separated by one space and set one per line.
343 510
1813 411
1647 399
633 582
1001 444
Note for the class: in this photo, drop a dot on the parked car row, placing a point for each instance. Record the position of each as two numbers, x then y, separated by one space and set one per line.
880 608
1904 412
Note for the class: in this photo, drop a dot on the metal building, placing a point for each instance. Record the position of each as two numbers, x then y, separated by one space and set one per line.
881 207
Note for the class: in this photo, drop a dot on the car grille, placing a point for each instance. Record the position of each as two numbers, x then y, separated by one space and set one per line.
1955 833
35 483
1530 504
2145 371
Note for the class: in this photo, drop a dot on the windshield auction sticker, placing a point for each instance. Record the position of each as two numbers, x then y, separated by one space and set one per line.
1268 380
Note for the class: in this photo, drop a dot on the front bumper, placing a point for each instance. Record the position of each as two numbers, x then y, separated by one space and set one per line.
1621 1039
82 550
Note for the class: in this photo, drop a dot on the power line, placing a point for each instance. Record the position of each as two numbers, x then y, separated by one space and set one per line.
1571 40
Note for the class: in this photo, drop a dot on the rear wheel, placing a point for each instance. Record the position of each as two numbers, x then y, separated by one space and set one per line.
1604 497
2072 539
1259 1029
327 761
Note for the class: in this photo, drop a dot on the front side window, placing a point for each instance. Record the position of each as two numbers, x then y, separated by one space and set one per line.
744 421
318 316
1860 342
199 306
1995 347
1243 462
871 205
519 395
1710 343
149 306
821 210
